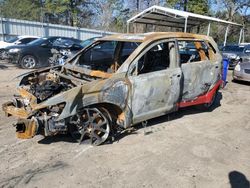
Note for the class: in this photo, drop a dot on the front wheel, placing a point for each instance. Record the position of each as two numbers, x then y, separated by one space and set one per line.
28 62
91 124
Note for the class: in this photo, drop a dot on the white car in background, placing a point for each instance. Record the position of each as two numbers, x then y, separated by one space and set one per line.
18 40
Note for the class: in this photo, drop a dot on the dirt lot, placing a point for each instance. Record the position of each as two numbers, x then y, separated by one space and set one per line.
191 149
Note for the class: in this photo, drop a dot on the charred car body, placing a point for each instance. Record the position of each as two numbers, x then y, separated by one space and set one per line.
144 76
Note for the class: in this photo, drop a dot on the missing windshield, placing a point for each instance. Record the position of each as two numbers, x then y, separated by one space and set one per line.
106 56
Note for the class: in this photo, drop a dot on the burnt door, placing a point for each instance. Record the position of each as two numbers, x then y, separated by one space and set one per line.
200 70
155 82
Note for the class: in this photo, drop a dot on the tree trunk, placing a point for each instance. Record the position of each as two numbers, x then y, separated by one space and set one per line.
185 5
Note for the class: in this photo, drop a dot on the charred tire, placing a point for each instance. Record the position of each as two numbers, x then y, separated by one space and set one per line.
28 62
209 105
91 125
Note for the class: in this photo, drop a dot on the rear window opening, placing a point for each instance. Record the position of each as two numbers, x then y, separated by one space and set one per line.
193 51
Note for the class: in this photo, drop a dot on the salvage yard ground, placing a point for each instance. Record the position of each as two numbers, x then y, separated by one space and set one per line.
190 148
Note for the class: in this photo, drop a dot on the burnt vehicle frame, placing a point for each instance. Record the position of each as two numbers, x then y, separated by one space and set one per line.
92 103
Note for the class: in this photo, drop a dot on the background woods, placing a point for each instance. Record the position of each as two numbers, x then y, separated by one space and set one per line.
111 15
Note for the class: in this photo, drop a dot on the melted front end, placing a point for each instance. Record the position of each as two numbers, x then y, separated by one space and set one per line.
30 106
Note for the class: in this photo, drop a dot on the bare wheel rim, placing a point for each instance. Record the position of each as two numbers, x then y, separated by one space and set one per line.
29 62
90 125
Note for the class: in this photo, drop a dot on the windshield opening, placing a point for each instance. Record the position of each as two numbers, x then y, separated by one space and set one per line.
106 56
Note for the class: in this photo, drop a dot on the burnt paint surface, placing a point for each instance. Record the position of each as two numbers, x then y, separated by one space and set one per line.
154 94
199 77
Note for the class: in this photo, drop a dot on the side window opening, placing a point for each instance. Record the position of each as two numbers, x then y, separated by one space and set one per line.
26 40
155 59
193 51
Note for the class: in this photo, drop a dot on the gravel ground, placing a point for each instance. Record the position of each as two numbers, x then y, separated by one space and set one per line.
190 148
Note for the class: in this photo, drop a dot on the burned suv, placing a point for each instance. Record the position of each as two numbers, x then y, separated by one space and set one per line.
116 82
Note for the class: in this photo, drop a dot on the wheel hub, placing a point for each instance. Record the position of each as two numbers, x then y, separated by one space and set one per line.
92 124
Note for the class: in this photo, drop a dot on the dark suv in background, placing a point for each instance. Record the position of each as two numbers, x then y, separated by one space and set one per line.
37 53
236 54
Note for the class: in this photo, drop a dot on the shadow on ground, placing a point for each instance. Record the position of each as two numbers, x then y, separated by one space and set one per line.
241 82
57 138
3 66
238 180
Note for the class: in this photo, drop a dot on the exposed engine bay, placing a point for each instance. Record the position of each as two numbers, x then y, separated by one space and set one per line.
45 88
35 89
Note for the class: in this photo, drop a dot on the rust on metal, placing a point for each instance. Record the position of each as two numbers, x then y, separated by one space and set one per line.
100 74
26 95
11 110
26 128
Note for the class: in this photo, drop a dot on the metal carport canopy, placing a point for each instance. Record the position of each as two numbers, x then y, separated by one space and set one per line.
163 16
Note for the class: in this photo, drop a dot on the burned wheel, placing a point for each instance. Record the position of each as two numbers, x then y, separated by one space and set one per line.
91 125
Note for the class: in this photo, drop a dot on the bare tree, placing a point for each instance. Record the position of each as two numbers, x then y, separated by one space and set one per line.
233 7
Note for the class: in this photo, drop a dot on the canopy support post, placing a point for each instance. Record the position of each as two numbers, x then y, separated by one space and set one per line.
225 40
240 35
2 31
208 29
243 35
185 28
127 27
135 28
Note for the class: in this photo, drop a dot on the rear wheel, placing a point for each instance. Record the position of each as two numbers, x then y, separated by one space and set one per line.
28 62
92 125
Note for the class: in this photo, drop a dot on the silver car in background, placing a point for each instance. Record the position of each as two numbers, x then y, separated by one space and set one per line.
242 71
